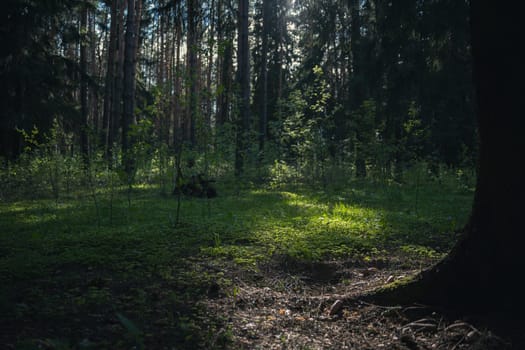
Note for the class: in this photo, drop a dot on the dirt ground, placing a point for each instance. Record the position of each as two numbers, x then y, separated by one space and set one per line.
285 305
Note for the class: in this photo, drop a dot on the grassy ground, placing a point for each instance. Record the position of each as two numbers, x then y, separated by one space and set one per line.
84 272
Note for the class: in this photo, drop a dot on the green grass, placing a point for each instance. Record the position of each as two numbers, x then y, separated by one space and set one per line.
71 276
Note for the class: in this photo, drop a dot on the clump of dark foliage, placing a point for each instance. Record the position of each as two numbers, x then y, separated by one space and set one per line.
196 186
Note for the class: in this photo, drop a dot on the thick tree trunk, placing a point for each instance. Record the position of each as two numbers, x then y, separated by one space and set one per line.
484 271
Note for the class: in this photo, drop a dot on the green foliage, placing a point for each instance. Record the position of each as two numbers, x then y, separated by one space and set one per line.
57 266
43 169
306 126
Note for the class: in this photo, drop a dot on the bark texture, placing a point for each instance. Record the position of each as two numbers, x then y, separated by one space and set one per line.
243 79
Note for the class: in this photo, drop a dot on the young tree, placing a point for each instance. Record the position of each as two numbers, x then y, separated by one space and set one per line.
483 271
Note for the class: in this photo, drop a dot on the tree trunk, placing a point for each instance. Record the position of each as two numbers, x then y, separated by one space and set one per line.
243 78
224 100
116 105
484 271
83 87
177 94
192 48
110 78
263 103
129 86
94 71
211 44
356 87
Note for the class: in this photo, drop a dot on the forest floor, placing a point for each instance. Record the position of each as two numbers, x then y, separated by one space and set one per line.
303 308
252 269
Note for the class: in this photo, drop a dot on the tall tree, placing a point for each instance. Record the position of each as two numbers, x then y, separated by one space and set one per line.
38 74
357 89
263 76
84 85
129 84
210 54
243 79
178 122
117 104
480 274
225 33
109 87
193 71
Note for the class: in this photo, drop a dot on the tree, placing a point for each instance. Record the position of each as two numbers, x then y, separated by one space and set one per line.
243 79
225 33
483 271
110 79
357 89
193 71
263 77
83 85
37 84
129 84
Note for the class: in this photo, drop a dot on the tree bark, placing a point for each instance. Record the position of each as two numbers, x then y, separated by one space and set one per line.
192 48
118 77
109 90
177 94
356 92
263 103
211 44
243 78
84 87
129 86
484 271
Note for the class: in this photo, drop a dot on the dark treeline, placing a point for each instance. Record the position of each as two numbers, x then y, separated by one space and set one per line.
371 87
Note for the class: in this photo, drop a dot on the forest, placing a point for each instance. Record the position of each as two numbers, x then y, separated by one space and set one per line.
264 174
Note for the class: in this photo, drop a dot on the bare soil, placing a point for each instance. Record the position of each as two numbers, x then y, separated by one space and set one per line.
290 305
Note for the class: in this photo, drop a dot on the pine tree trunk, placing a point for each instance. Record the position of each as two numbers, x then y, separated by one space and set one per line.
211 44
95 72
116 105
192 109
243 78
226 82
178 118
83 87
484 271
356 92
129 87
109 88
263 103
